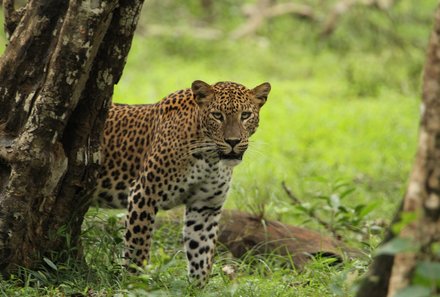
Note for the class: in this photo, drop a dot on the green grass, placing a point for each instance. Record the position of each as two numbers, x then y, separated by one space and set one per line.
327 118
265 275
340 126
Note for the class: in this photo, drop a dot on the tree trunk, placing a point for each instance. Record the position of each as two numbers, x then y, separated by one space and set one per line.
422 198
56 81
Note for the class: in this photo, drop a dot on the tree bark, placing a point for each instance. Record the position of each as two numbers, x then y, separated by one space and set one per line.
423 194
56 81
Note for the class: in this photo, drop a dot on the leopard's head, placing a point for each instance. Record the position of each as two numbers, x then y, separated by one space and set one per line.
229 115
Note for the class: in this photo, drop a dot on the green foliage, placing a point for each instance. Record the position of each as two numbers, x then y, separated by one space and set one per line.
100 272
426 278
414 291
350 221
397 245
101 275
339 129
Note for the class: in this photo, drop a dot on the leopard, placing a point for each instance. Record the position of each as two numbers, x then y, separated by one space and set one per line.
179 151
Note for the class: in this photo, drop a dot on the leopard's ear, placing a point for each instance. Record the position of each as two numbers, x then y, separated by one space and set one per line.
261 92
202 92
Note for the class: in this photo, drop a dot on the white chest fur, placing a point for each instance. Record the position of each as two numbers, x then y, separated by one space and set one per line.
204 183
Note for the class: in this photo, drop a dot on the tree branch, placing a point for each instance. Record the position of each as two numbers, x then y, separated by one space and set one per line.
338 10
179 31
343 6
311 213
296 9
260 13
12 17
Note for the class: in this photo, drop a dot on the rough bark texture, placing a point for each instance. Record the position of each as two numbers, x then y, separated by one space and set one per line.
377 281
242 232
56 81
423 193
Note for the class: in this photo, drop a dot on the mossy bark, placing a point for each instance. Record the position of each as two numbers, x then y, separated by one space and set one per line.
56 81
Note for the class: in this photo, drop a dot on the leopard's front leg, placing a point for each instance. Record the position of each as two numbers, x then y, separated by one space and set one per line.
139 223
200 236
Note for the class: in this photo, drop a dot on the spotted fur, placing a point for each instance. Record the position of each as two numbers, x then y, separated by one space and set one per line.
181 150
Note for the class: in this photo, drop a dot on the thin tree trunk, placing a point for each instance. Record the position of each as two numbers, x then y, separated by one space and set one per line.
56 81
423 194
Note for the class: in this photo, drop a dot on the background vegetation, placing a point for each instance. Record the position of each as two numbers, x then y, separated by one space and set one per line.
339 129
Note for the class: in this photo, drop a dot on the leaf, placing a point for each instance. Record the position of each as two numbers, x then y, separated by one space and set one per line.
428 270
343 209
347 192
322 197
50 263
340 184
397 245
39 275
367 209
303 207
414 291
358 208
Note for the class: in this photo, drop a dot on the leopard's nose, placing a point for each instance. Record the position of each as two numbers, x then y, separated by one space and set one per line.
232 141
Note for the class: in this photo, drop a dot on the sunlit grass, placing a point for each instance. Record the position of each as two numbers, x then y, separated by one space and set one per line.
321 122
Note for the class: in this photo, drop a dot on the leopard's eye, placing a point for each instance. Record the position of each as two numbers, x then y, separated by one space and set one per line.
245 115
217 115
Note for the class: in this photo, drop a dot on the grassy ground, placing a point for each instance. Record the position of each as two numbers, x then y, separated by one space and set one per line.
340 129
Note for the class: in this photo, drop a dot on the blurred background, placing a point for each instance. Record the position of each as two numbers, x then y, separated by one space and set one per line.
340 125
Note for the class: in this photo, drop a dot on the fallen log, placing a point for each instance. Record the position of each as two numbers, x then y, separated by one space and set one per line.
242 233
